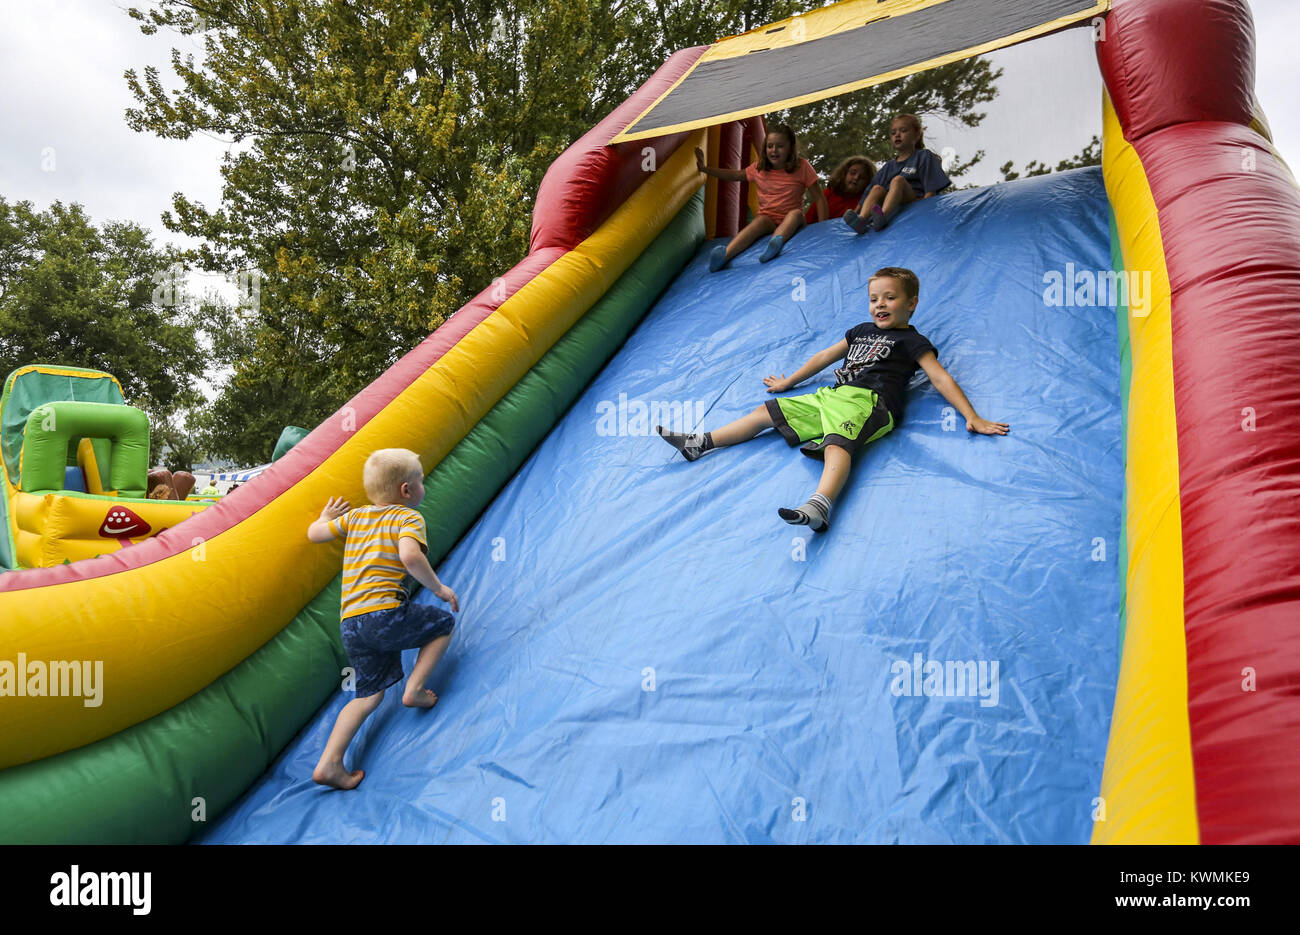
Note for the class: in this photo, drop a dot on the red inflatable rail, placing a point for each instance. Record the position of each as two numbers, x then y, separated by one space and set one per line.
1229 216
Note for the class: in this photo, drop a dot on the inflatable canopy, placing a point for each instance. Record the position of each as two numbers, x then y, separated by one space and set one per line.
215 655
844 47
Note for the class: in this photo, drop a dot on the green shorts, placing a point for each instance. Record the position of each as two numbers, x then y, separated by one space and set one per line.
847 416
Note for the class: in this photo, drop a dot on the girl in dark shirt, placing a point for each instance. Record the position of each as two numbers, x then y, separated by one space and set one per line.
914 173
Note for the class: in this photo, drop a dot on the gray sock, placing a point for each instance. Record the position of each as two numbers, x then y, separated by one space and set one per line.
815 513
691 446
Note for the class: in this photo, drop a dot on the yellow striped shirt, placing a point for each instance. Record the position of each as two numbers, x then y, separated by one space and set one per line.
372 568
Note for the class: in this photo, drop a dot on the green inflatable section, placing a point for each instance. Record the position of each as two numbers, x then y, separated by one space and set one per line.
54 428
291 435
8 556
155 782
27 388
1126 378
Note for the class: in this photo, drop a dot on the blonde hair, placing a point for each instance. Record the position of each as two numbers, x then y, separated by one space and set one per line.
913 121
385 472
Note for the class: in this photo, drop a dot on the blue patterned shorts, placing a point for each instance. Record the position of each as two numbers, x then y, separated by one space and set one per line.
374 641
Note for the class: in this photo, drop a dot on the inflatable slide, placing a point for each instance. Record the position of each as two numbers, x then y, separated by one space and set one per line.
1081 631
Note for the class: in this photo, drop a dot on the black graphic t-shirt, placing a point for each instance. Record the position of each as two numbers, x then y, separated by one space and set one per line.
883 359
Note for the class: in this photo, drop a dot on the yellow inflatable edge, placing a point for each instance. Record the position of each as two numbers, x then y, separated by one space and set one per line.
1148 790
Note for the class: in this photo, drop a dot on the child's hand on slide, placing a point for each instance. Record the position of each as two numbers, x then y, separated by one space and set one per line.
445 593
776 384
985 427
335 508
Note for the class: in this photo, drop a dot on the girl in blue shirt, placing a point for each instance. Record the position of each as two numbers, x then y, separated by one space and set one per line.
914 173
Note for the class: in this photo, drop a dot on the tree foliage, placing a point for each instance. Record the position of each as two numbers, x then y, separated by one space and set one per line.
86 296
1090 155
386 154
857 123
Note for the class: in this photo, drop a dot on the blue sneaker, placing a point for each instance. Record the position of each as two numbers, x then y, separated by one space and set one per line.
856 221
718 258
773 248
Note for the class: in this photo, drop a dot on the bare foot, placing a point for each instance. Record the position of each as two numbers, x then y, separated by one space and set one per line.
333 774
425 699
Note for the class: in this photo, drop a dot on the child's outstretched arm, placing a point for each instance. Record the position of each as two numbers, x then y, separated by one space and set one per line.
417 563
816 364
727 175
319 531
949 390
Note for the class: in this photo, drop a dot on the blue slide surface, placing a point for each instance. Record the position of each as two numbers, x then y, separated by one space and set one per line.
646 653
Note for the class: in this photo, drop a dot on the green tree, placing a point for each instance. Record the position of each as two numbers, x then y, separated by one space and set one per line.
386 155
73 293
1090 155
857 123
181 448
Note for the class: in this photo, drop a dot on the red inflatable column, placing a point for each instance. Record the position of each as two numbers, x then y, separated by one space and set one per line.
711 183
590 179
730 156
1180 74
752 136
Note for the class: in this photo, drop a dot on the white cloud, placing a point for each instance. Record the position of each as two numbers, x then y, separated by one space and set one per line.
1048 107
62 65
1277 72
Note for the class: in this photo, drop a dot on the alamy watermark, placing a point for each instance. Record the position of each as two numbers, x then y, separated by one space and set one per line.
79 887
1087 288
77 678
637 417
948 678
177 285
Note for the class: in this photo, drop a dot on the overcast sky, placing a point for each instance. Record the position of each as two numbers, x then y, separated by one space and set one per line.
62 61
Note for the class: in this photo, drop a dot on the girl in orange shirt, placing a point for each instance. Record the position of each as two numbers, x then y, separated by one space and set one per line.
781 177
